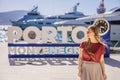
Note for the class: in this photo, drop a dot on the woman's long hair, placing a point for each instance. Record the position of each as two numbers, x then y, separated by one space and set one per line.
97 37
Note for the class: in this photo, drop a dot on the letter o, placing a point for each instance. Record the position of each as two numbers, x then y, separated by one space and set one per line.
75 31
35 30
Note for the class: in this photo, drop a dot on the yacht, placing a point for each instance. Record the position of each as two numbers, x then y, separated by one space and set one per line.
69 15
112 16
34 19
25 20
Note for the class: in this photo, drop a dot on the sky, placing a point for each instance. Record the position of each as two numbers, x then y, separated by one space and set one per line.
56 7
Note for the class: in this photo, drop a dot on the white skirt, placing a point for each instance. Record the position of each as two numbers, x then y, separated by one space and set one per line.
91 71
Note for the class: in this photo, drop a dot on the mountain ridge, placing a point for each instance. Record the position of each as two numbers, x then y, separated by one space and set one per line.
8 16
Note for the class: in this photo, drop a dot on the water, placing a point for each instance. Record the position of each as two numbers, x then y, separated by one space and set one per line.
4 33
3 36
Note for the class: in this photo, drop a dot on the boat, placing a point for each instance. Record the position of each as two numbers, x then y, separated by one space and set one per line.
25 21
112 16
34 19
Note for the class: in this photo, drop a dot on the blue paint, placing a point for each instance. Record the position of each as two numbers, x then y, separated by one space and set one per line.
44 45
43 56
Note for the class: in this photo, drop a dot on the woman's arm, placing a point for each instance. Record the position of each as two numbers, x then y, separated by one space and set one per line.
102 63
80 59
80 63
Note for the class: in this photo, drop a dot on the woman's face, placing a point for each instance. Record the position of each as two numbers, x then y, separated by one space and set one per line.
90 33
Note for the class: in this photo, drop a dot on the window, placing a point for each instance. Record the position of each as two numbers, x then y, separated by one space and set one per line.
115 22
87 22
114 33
117 10
48 23
40 23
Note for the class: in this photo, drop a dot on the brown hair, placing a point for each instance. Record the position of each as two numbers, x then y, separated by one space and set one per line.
97 37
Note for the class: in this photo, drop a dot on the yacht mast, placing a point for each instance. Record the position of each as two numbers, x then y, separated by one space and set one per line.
75 7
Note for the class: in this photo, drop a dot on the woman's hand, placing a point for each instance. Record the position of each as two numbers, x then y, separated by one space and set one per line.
105 77
80 73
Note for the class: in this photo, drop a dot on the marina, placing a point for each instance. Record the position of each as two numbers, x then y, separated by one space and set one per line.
36 46
72 18
34 18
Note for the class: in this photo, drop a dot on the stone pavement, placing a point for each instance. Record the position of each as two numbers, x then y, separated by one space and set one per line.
49 69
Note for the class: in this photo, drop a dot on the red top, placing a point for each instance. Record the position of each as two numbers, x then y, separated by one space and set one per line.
97 48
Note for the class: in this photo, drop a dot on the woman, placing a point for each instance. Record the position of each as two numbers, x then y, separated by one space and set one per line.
91 57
